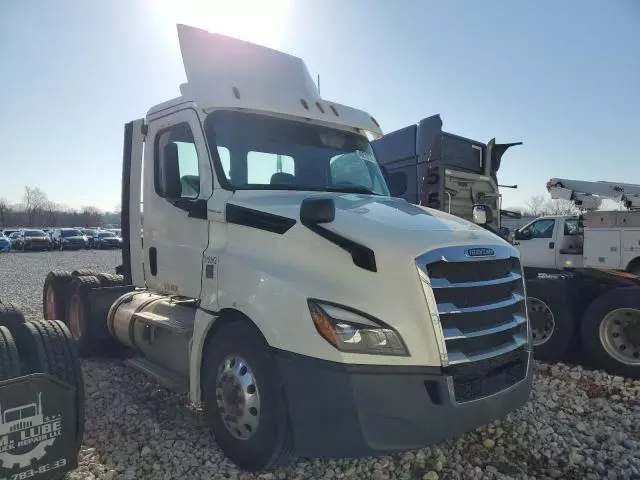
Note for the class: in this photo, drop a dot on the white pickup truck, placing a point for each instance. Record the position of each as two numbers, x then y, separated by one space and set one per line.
595 299
604 240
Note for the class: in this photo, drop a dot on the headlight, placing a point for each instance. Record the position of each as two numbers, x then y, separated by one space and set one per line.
355 332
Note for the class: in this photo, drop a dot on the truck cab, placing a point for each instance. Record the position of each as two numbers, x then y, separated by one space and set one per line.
430 167
283 288
551 243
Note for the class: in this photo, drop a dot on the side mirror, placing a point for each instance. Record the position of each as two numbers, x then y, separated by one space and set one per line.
170 172
482 214
522 234
317 210
397 182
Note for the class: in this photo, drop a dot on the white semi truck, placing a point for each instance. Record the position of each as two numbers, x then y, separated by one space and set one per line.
590 293
281 286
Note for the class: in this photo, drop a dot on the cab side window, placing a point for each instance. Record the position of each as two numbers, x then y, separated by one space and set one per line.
573 227
542 228
176 159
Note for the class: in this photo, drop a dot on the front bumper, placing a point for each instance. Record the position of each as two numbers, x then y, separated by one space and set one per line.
339 410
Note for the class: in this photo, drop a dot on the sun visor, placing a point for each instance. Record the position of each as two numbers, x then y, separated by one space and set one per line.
224 72
214 61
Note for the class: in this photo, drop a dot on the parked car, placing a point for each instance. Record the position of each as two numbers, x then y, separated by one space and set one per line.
5 243
90 233
106 239
33 240
15 239
9 231
69 239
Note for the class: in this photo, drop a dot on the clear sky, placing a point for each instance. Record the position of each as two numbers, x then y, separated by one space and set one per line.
563 77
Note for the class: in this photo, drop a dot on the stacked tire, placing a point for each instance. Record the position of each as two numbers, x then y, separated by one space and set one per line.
41 347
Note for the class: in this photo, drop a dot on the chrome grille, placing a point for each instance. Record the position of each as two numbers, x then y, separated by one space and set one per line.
481 312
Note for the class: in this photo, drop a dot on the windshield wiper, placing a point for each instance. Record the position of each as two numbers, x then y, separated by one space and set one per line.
284 186
352 189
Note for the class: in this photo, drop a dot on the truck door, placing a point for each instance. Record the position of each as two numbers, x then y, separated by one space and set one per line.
536 243
175 225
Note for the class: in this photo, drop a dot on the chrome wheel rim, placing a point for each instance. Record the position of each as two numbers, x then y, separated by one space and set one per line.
51 304
541 320
238 397
620 335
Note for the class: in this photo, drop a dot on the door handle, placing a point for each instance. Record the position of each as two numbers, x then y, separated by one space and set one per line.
153 261
552 244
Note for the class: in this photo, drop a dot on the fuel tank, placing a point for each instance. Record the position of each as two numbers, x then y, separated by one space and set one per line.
157 326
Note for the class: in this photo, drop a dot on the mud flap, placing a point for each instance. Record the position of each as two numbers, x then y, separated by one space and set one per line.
37 428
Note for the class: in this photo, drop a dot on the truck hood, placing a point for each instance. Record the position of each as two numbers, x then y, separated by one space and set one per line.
375 219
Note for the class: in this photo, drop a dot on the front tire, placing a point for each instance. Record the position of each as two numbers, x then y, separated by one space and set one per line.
244 399
611 331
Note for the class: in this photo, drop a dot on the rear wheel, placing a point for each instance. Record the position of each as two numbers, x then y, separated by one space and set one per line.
611 331
47 347
244 398
55 295
9 360
10 315
78 315
551 318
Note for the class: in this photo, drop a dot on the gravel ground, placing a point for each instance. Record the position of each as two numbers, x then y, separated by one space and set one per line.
578 424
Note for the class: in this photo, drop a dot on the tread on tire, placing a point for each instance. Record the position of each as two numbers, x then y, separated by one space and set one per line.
9 359
47 347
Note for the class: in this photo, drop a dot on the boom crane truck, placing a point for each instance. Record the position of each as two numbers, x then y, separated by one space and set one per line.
283 288
590 294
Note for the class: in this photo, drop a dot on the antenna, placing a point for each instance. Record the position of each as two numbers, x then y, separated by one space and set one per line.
318 84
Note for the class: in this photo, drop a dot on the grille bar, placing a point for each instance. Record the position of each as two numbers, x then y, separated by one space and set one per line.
438 283
447 308
457 357
457 334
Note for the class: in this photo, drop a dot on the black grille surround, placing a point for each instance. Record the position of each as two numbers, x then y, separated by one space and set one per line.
481 318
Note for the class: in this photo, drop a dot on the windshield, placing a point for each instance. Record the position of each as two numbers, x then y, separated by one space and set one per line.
34 233
261 152
106 235
71 233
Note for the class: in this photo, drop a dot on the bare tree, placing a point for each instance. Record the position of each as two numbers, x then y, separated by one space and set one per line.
51 214
90 216
4 206
34 201
535 206
562 207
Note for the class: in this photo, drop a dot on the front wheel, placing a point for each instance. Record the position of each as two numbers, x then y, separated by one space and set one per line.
611 331
244 399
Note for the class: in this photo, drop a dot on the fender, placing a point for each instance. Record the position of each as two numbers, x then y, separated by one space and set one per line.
204 321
